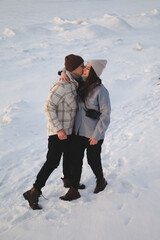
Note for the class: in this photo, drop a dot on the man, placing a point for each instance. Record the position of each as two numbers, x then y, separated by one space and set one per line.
60 108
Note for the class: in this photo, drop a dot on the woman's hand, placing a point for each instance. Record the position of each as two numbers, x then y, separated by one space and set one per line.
93 141
64 77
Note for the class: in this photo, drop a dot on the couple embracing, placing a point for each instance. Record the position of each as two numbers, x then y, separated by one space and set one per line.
78 111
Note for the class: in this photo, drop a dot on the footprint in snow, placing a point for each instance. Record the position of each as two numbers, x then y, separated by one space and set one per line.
121 162
128 220
120 206
126 187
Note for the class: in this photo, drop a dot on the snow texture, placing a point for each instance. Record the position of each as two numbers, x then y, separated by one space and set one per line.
35 36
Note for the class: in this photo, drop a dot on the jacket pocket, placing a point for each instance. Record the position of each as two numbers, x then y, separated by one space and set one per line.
92 103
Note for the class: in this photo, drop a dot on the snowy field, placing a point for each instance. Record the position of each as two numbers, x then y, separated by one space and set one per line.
35 36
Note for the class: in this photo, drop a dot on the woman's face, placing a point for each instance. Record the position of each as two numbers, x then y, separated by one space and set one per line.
86 70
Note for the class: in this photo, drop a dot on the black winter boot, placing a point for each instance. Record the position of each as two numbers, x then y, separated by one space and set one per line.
67 184
72 194
101 184
32 197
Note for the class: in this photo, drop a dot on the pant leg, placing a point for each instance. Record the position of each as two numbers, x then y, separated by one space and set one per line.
94 159
55 150
66 164
76 155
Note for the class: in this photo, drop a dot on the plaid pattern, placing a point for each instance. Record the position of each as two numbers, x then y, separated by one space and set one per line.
61 107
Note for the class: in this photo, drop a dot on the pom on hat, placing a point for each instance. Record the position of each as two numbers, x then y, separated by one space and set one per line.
72 62
98 65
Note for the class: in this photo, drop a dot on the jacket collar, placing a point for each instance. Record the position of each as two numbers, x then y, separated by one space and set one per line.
74 78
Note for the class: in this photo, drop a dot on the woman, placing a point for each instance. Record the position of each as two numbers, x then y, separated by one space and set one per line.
92 120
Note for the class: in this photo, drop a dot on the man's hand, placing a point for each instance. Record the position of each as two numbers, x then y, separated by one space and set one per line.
93 141
64 77
61 134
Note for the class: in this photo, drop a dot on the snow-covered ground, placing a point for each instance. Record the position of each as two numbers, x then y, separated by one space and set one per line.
35 36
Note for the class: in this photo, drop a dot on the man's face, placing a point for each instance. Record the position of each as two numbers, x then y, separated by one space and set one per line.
79 71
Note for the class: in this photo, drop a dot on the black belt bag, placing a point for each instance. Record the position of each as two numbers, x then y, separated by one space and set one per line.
92 113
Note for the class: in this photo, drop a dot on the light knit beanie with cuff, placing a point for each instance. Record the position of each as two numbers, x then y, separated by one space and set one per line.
98 65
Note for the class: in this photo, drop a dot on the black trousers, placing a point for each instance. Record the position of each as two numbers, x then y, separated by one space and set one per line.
56 148
79 144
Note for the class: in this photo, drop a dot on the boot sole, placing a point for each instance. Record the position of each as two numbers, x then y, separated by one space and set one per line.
66 199
81 186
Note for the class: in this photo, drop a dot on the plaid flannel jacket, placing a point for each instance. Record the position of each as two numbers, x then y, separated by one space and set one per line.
61 107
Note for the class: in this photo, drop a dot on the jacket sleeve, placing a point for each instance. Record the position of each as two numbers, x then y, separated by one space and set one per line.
56 96
60 71
105 109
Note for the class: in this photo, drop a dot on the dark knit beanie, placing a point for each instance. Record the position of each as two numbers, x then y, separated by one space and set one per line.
72 62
